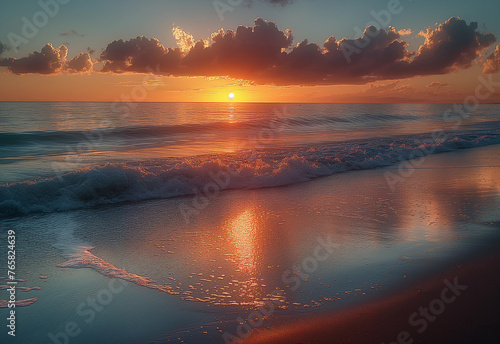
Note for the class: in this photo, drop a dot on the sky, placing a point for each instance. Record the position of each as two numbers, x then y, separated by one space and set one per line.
260 50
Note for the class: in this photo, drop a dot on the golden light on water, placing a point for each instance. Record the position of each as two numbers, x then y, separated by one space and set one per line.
243 230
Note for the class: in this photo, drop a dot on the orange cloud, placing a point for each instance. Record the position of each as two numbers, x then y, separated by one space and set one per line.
492 64
405 32
264 54
184 40
80 64
437 84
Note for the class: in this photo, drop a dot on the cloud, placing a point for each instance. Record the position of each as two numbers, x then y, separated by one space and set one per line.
264 54
49 60
453 45
140 55
437 84
80 64
359 60
383 87
492 64
405 32
241 52
72 33
391 88
184 40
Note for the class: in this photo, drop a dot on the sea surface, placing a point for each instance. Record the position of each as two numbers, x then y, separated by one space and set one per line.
175 223
62 156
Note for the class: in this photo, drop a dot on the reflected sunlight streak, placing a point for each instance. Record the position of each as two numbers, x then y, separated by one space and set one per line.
243 231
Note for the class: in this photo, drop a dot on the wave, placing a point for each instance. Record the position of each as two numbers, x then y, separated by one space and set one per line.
131 182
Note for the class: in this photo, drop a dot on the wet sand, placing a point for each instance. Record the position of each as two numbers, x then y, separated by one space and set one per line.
472 317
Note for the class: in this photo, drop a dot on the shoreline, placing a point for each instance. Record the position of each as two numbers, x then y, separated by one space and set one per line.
472 317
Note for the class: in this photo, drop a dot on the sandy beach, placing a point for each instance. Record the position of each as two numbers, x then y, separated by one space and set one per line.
472 316
395 317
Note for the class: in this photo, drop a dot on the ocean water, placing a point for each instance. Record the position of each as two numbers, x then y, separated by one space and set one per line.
63 156
97 195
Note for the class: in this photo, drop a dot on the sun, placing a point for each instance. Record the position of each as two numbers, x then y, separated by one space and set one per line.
230 96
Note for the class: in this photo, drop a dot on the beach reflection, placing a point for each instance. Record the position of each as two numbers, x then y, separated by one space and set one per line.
237 250
243 231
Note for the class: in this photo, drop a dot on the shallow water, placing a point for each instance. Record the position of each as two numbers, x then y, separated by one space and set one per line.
191 282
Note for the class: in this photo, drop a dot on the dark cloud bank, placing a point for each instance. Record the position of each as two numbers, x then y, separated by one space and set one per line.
265 54
49 60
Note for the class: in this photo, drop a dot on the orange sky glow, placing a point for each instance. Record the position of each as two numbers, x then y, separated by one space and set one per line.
102 87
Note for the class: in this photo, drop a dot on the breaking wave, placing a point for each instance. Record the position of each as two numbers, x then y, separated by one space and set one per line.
131 182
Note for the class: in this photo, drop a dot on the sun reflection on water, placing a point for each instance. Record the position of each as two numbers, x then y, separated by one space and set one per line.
243 231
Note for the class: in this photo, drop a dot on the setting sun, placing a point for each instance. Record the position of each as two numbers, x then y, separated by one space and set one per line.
230 96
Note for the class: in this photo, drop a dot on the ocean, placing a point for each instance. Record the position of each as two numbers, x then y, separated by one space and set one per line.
177 222
62 156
